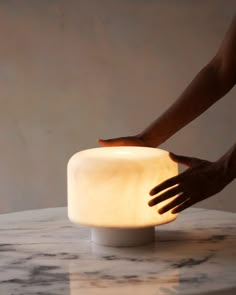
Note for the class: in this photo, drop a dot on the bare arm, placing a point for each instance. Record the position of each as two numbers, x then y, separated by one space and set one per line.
209 85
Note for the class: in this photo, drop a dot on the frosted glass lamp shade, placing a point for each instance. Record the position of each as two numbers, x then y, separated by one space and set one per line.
108 188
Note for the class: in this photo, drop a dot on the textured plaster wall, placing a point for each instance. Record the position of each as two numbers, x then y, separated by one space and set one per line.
74 71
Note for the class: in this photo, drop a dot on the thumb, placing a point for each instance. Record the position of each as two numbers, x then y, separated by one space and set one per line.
110 142
188 161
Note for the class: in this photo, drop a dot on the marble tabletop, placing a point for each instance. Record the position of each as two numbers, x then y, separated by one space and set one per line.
41 252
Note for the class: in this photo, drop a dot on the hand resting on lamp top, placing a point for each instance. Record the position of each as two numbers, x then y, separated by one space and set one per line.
136 140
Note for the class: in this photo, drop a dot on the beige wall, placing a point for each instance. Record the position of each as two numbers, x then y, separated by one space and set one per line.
74 71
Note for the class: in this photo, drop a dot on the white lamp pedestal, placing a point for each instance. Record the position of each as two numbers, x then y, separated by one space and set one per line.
115 237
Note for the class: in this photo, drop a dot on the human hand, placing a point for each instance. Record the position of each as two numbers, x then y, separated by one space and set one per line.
124 141
200 181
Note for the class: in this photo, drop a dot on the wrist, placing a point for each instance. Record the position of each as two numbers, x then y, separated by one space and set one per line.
150 140
226 169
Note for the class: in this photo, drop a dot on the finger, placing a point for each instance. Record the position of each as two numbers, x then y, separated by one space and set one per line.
166 195
177 201
183 206
188 161
165 184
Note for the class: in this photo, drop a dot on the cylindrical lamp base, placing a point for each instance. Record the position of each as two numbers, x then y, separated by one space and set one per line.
114 237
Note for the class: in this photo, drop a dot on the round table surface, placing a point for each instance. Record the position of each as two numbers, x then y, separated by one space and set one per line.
41 252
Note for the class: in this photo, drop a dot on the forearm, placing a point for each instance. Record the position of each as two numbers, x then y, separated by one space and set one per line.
228 165
211 83
205 89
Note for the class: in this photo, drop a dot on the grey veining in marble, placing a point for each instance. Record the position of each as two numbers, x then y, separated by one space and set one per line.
41 252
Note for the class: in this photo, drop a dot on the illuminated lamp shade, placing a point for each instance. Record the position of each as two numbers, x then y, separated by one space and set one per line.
108 190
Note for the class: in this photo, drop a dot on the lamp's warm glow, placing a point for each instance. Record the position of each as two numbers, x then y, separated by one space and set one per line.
109 187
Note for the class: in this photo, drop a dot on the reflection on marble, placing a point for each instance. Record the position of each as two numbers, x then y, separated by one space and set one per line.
41 252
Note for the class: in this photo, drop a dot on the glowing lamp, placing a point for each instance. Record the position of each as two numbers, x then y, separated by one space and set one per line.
108 190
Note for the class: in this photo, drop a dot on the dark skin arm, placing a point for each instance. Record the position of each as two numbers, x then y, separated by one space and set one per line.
210 84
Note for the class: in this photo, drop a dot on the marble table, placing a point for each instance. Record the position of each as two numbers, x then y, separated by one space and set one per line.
41 252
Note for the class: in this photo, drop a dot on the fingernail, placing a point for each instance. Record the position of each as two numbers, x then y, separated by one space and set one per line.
150 203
